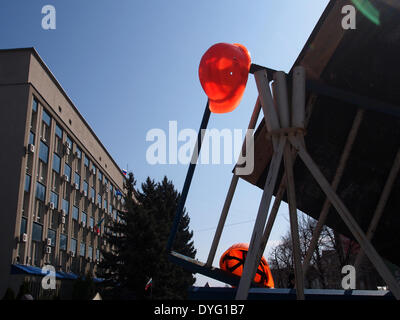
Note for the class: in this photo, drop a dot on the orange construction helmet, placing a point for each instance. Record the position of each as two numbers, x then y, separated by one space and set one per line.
223 74
233 259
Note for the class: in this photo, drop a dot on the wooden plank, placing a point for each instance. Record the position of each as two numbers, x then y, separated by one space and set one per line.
336 180
281 98
294 227
222 219
232 188
281 190
257 234
348 219
381 205
325 40
267 103
299 98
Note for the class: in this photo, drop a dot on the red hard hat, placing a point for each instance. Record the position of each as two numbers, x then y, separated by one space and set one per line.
223 73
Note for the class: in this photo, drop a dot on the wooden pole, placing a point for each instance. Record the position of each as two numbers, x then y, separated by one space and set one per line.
294 228
296 121
281 98
347 218
381 205
250 263
272 217
267 103
231 191
336 180
299 97
280 192
272 124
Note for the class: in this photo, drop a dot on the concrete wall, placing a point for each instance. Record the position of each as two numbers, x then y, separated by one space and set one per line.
13 114
44 83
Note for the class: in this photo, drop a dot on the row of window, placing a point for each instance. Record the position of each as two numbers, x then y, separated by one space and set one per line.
44 152
40 194
37 230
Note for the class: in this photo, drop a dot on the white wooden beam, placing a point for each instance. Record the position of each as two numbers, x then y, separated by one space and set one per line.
394 171
256 238
231 191
336 180
347 218
294 228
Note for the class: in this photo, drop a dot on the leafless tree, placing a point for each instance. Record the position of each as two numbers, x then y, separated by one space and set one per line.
326 261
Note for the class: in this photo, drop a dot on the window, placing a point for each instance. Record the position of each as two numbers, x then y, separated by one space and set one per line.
86 161
34 105
43 152
73 245
110 209
63 242
77 178
100 175
105 204
54 199
115 214
78 152
59 131
37 230
65 206
69 141
84 217
56 163
97 254
85 186
99 199
94 168
40 191
111 188
90 252
27 182
93 193
23 226
46 118
67 171
82 249
91 222
105 181
51 234
31 138
75 213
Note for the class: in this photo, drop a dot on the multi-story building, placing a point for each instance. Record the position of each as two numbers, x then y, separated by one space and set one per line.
57 181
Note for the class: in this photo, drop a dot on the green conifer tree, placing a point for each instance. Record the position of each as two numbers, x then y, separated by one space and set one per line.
139 240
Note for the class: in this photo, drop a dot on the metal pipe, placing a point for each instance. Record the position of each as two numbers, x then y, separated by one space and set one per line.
188 179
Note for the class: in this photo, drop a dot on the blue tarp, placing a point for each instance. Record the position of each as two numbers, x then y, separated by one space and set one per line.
24 269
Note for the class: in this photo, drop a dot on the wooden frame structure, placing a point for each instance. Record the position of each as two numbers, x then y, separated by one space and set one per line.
284 125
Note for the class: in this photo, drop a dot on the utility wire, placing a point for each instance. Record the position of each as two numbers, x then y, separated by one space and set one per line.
227 225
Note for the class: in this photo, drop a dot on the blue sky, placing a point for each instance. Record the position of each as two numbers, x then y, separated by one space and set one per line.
132 66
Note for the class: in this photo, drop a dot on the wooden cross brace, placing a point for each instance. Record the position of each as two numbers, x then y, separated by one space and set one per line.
286 127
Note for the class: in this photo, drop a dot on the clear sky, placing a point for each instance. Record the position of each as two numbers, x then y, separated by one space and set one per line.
131 66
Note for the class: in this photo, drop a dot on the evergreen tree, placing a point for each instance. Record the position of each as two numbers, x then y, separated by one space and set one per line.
139 240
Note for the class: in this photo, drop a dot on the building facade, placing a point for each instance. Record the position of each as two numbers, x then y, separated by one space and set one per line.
59 185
